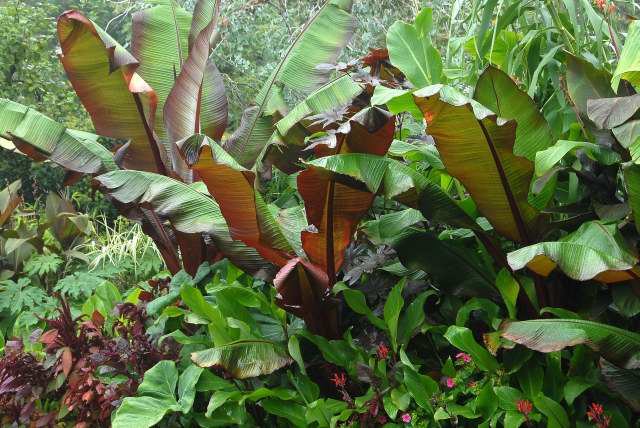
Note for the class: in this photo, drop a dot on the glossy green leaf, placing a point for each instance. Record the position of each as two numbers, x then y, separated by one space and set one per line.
41 138
628 67
392 308
594 251
549 158
245 358
614 344
500 94
462 338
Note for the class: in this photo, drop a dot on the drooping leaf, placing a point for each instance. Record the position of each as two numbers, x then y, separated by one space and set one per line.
411 51
159 41
334 94
594 251
607 113
186 209
319 42
389 228
250 219
215 108
549 158
629 64
245 358
616 345
9 200
103 74
623 381
41 138
500 94
497 179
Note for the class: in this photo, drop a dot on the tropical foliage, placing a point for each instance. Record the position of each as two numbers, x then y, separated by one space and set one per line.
437 233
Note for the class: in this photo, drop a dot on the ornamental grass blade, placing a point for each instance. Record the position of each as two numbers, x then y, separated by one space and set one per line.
9 200
42 138
250 219
320 41
616 345
594 251
185 208
246 358
103 74
500 94
497 179
159 41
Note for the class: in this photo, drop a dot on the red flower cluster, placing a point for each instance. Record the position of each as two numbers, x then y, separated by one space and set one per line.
383 351
340 380
524 406
596 414
602 5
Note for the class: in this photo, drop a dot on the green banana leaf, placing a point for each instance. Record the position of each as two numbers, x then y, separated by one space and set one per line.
42 138
594 251
245 358
320 41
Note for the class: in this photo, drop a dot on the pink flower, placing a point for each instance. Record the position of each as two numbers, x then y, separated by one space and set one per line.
451 382
406 418
466 358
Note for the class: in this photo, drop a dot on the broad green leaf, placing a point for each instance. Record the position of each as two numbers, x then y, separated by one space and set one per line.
392 308
160 381
103 74
547 159
462 338
319 42
500 94
41 138
574 387
357 301
454 267
335 94
188 210
388 229
422 388
293 412
187 387
555 413
413 318
632 181
497 180
509 290
623 381
160 42
411 51
550 335
417 151
245 358
338 352
219 398
629 63
508 397
628 134
594 251
293 346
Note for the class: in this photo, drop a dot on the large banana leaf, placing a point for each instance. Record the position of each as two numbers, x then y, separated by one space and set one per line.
411 51
250 219
585 82
331 96
607 113
187 209
616 345
594 251
320 41
9 200
182 109
41 138
245 358
500 94
335 209
477 148
121 104
160 42
629 63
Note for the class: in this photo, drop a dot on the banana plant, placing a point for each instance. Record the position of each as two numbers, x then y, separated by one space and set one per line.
156 97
